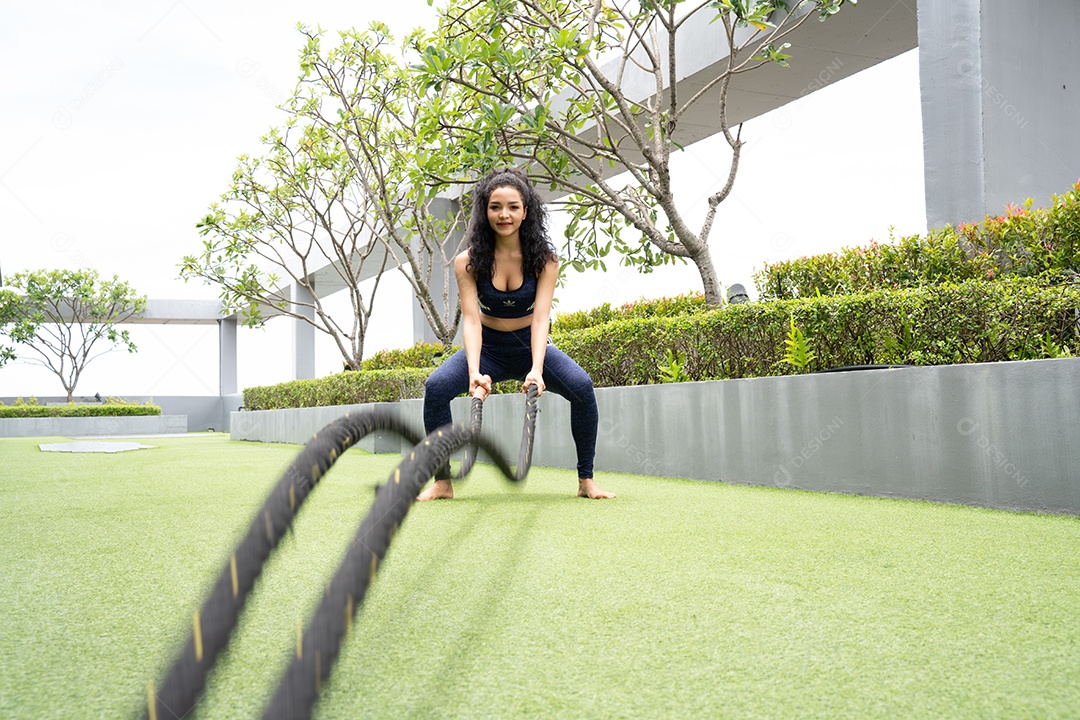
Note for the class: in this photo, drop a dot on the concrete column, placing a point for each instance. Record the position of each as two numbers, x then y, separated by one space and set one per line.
303 334
227 355
421 330
999 100
950 76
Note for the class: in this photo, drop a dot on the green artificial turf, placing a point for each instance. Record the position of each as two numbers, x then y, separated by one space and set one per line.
678 599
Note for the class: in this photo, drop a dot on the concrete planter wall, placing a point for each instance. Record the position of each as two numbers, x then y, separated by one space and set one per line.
96 426
1002 435
204 412
299 424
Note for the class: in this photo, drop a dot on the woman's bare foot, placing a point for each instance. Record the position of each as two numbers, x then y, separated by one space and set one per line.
587 488
441 490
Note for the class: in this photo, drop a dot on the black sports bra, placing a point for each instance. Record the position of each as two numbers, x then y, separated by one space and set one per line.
506 304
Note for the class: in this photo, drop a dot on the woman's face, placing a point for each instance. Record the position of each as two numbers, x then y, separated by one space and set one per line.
505 211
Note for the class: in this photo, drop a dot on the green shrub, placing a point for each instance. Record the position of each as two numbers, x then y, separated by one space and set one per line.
420 355
1023 242
798 351
354 387
427 356
347 388
977 321
506 387
672 368
33 410
659 307
123 401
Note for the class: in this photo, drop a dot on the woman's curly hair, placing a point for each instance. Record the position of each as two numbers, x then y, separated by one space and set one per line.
536 248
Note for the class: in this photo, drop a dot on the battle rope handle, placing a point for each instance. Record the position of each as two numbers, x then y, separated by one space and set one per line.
528 430
476 421
212 626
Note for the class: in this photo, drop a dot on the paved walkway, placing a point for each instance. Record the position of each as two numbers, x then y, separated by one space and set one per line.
111 443
93 447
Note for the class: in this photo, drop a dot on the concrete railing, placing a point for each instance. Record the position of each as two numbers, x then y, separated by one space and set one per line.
1002 435
203 412
93 426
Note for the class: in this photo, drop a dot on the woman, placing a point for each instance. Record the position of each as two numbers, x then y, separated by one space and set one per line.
506 280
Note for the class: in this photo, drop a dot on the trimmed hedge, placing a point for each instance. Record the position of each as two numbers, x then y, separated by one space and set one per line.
976 321
39 411
659 307
427 356
1020 243
347 388
421 355
969 322
401 376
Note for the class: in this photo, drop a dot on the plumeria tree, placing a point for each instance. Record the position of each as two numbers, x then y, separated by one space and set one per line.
361 92
548 84
66 318
290 212
9 301
341 186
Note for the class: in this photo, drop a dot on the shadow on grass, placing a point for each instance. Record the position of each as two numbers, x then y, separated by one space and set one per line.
474 598
475 626
465 528
516 497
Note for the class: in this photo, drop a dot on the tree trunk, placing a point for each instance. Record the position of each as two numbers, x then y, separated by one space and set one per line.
714 292
441 326
358 354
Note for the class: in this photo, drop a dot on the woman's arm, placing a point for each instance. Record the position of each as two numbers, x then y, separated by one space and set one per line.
471 329
541 322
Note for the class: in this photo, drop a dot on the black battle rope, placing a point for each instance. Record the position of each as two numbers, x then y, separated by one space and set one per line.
212 625
316 651
476 421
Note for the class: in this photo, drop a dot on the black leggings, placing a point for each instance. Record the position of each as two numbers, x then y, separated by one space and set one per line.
508 356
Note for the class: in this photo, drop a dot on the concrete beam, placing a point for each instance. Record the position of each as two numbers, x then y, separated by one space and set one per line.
822 53
180 312
329 278
168 312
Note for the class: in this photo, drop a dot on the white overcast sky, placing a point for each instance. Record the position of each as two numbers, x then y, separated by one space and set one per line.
122 122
